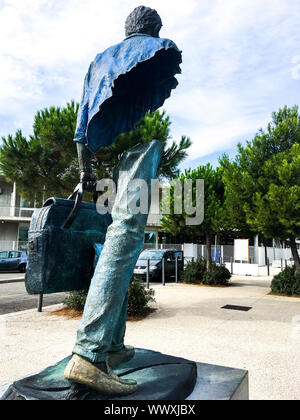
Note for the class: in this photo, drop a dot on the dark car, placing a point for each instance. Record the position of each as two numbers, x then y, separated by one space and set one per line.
155 257
13 261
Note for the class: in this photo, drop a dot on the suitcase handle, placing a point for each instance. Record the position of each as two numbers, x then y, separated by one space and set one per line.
78 192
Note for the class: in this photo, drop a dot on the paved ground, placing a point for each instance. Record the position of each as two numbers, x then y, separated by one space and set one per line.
190 323
14 298
263 271
9 277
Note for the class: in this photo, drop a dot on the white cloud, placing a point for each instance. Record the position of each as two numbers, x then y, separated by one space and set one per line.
236 69
296 67
214 120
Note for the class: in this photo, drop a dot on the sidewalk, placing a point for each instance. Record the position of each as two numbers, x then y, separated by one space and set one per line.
11 277
189 323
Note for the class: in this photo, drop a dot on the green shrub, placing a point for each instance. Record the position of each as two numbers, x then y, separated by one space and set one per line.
286 282
217 275
194 271
138 299
76 300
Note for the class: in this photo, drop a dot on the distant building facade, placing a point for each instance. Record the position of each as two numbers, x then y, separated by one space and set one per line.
15 216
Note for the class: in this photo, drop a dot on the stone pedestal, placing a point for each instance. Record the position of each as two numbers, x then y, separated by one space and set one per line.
220 383
160 377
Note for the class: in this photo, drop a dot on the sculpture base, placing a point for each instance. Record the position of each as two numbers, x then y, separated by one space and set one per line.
220 383
160 377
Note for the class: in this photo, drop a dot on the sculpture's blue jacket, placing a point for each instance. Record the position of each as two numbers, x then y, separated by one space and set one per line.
122 84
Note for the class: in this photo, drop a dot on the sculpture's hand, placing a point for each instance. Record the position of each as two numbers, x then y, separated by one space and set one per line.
87 177
89 180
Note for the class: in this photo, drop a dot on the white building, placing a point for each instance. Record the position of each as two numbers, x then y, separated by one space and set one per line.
15 216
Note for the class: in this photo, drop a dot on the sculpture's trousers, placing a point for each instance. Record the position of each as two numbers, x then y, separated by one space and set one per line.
102 328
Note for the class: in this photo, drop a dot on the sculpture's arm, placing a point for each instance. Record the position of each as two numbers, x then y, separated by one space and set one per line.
84 154
85 163
83 111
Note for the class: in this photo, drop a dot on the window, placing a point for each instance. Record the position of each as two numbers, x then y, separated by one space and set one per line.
173 257
151 255
23 233
14 254
178 255
169 256
3 255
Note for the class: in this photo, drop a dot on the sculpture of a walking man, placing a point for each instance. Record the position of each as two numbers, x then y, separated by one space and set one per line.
122 84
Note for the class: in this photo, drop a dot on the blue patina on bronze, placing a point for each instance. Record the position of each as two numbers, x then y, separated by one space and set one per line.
102 327
122 84
61 259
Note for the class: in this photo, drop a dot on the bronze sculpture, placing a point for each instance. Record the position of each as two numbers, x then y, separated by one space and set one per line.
122 84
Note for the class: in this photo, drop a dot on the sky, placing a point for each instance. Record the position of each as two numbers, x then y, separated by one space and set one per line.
241 62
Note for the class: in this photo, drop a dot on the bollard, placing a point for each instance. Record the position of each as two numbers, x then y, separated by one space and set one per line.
281 264
268 265
176 270
231 260
148 274
163 272
40 303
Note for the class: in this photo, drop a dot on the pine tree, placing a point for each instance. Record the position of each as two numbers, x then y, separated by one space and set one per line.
262 184
46 164
175 224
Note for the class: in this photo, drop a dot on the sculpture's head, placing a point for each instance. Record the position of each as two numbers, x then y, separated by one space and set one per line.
143 20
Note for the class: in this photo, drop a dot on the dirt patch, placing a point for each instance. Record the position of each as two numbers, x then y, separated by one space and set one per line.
67 313
283 295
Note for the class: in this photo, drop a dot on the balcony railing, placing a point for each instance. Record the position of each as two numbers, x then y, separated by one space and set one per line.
13 246
16 212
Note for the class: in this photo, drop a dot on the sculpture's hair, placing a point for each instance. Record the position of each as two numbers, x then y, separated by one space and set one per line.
142 20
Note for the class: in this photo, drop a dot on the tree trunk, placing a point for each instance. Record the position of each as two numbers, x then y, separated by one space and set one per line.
295 254
208 251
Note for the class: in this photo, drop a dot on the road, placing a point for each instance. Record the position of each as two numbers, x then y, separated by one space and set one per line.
14 298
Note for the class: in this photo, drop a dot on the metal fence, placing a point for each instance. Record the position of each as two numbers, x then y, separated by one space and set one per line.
177 247
225 253
175 275
220 253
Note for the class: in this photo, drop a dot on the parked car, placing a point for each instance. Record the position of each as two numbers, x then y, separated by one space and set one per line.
155 257
13 261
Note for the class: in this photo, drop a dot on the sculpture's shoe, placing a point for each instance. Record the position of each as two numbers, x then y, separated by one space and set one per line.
81 371
115 358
